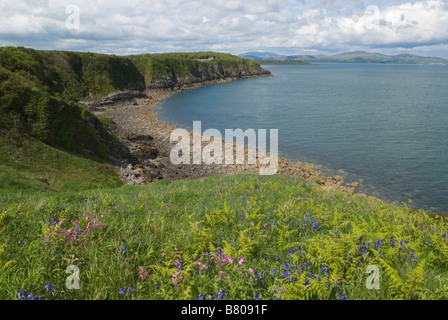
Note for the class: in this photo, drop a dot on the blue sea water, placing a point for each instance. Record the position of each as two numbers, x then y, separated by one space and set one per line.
383 125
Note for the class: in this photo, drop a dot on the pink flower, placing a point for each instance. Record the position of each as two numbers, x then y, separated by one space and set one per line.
250 270
241 261
69 231
222 274
230 259
176 249
163 254
266 225
176 263
199 262
156 212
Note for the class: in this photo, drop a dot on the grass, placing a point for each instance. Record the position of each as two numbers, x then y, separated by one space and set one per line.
233 237
24 169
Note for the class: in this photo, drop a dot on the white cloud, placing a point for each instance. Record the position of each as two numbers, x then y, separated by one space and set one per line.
121 27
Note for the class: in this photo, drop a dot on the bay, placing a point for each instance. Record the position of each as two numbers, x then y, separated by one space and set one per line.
383 125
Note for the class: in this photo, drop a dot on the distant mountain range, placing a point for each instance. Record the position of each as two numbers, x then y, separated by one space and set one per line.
348 57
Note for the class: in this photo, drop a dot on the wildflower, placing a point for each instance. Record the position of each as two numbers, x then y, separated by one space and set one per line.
342 297
157 287
200 297
230 259
54 221
324 269
49 287
122 290
37 298
21 295
392 242
219 251
132 288
428 243
290 252
257 296
30 297
250 270
220 295
123 249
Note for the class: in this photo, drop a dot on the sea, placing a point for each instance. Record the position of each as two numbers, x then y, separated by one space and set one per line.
383 125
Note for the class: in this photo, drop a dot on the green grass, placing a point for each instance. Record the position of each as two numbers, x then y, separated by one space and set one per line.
24 167
276 237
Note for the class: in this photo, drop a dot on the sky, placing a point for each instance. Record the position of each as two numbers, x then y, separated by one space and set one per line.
126 27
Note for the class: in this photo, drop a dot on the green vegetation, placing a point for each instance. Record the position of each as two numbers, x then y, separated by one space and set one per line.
236 237
200 65
31 166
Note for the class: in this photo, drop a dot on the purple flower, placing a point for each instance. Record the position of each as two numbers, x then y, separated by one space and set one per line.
257 296
132 288
200 297
392 242
30 297
342 297
21 295
123 249
290 252
122 291
50 288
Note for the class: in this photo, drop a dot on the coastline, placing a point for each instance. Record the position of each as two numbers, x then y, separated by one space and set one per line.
142 155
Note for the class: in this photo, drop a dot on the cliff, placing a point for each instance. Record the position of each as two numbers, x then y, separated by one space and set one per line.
182 70
41 89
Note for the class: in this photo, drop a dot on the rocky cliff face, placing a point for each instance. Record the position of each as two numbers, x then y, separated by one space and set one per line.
206 73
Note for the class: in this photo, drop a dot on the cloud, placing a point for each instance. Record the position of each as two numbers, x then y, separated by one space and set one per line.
133 26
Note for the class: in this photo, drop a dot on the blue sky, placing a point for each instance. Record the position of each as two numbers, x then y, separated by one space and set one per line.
235 26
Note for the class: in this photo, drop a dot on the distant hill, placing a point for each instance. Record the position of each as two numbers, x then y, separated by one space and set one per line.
348 57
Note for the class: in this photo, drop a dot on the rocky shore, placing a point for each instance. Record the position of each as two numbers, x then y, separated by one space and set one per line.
142 153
